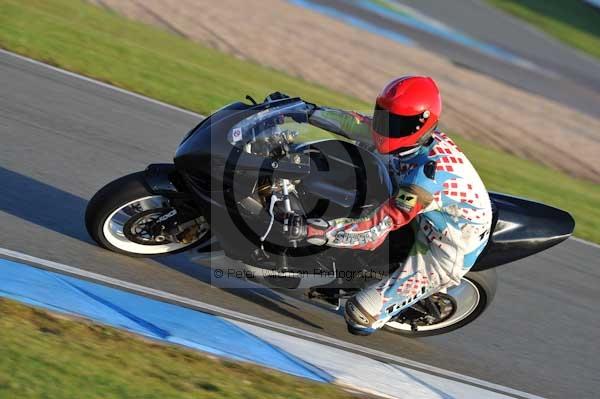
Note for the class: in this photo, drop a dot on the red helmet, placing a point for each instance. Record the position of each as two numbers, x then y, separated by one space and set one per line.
406 112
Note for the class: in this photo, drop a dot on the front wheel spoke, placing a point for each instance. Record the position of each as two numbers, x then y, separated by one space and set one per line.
139 224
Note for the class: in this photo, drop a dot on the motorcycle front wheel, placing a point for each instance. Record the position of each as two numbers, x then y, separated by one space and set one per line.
120 216
445 312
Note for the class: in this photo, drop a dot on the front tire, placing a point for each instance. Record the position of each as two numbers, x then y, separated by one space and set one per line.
470 299
115 213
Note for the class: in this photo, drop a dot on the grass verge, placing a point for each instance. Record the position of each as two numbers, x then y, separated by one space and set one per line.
83 38
43 355
572 22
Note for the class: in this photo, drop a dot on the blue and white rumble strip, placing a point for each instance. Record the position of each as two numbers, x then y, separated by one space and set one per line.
324 361
151 318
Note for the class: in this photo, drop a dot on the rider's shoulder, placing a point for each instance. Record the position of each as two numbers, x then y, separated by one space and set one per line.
442 140
440 154
443 146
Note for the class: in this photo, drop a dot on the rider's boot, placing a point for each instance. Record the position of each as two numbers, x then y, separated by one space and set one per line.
362 312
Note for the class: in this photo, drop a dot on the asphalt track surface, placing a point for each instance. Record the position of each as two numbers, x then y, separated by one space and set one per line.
61 138
478 19
565 75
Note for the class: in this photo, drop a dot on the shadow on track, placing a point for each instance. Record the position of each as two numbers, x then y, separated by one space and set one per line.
63 212
42 204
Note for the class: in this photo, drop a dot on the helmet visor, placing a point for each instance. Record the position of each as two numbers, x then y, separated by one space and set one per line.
391 125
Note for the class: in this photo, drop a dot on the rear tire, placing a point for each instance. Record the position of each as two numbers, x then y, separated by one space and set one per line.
484 282
113 198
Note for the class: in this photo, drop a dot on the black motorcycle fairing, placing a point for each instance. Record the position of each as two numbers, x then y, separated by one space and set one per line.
210 162
522 228
221 174
162 179
216 116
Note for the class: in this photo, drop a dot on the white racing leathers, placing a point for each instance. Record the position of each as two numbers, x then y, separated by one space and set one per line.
442 195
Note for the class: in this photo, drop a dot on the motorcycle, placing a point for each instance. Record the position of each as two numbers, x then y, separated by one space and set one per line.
241 172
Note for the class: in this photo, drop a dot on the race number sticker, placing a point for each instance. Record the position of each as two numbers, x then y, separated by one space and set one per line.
236 134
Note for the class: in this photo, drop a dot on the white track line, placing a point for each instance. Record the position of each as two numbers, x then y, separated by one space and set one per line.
582 241
47 264
151 100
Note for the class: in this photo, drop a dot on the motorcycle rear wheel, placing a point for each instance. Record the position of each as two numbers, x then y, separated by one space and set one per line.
116 218
469 300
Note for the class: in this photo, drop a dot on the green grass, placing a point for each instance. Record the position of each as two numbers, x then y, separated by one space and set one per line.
570 21
92 41
80 37
43 355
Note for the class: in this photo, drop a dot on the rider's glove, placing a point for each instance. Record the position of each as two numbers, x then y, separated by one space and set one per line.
316 231
295 226
298 227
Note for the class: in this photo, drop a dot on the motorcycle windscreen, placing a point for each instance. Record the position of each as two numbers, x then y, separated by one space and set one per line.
268 141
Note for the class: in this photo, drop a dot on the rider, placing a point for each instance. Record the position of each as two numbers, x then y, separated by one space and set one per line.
438 191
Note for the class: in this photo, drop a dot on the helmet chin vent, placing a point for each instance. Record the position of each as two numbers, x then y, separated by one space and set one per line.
405 151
